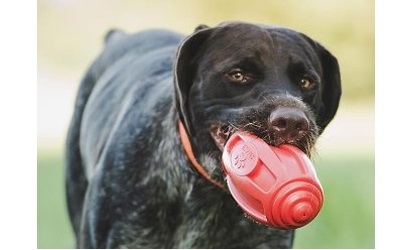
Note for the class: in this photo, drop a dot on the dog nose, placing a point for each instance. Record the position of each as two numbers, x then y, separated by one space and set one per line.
288 123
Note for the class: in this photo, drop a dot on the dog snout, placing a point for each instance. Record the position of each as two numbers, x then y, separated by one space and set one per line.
288 124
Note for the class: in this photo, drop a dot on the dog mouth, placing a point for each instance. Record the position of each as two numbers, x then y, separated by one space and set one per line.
221 133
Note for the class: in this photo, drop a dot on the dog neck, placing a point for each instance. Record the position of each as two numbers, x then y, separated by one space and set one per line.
189 153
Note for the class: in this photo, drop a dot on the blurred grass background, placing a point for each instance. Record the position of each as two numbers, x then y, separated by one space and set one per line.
70 34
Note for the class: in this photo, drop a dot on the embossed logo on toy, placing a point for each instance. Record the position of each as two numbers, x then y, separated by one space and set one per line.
244 158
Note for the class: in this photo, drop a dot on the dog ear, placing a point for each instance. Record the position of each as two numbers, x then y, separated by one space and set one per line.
331 88
331 85
200 27
184 70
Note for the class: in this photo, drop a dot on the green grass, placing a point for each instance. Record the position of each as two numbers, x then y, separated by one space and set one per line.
345 221
53 228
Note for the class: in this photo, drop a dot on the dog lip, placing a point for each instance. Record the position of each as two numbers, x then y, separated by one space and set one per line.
221 133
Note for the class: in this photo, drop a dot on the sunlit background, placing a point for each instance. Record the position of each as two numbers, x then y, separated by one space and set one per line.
70 36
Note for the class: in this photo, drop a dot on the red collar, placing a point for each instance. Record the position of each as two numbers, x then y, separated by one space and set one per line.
189 153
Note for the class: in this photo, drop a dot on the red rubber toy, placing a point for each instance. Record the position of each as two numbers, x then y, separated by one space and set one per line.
276 186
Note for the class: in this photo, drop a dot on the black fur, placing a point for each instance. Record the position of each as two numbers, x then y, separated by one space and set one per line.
129 182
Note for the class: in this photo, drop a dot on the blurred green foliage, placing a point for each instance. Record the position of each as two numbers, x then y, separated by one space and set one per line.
70 32
345 221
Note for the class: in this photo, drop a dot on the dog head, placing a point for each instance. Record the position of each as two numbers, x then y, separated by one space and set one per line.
271 81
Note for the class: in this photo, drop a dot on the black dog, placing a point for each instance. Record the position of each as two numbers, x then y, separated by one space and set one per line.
129 181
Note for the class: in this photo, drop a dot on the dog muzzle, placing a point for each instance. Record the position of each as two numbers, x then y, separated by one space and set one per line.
276 186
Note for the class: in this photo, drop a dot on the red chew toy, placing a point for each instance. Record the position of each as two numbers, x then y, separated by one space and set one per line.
274 185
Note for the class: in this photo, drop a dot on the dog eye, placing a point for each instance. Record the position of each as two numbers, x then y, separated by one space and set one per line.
306 83
237 76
